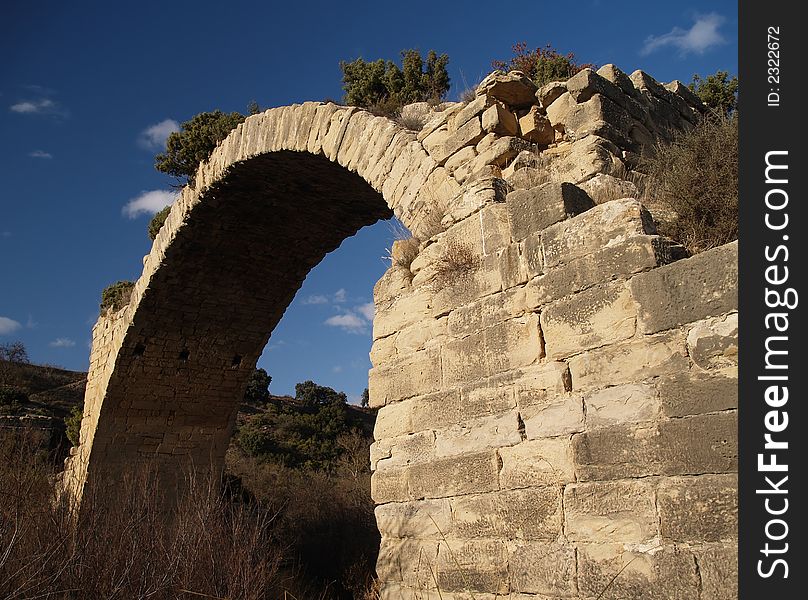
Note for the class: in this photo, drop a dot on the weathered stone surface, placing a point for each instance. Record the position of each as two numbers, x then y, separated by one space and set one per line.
424 519
537 208
511 344
455 476
536 127
718 569
413 375
713 344
540 384
537 463
476 566
402 450
460 158
689 290
631 361
529 514
513 88
622 404
699 509
407 561
467 135
617 77
559 108
561 415
686 394
543 568
603 226
477 435
498 119
635 254
613 573
602 188
549 92
578 161
595 317
693 445
617 512
498 154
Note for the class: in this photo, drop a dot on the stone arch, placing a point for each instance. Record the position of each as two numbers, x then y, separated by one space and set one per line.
282 190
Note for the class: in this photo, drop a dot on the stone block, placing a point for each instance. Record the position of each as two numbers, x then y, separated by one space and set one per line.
713 343
634 255
580 160
511 344
536 127
536 209
460 158
616 512
407 306
394 420
595 317
699 509
692 445
559 108
632 361
611 572
466 474
472 566
477 435
467 135
424 519
537 463
390 486
514 88
695 393
718 568
411 375
475 108
487 312
604 225
512 266
498 119
529 514
407 561
539 385
561 415
630 403
543 568
549 92
401 451
705 285
617 77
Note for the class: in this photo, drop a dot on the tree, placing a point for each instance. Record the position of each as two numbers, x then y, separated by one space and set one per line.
311 395
257 391
381 84
73 424
157 222
365 402
14 352
542 65
718 91
195 141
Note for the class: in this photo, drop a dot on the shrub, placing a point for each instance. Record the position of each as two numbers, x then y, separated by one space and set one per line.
696 178
194 142
73 424
116 296
257 391
718 91
383 86
457 262
542 65
11 396
157 222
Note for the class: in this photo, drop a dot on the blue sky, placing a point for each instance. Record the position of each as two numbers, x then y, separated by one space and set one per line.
89 90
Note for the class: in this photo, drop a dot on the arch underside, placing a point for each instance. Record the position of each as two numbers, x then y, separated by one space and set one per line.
209 309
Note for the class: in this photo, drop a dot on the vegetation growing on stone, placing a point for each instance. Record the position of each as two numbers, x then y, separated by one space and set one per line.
194 142
384 87
116 296
542 65
696 177
73 424
718 91
157 222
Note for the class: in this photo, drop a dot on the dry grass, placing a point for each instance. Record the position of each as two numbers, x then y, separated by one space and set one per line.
136 545
404 248
412 121
457 262
695 178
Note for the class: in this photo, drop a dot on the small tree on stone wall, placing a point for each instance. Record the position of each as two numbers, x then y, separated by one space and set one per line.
542 65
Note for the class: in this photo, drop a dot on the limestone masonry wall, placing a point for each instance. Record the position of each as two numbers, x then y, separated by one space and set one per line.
556 383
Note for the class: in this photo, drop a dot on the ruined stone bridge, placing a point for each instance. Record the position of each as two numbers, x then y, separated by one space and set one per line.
556 382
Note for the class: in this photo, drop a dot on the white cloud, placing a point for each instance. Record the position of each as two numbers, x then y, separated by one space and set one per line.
62 343
366 310
8 326
349 322
154 136
39 106
148 203
40 154
701 36
340 296
315 299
